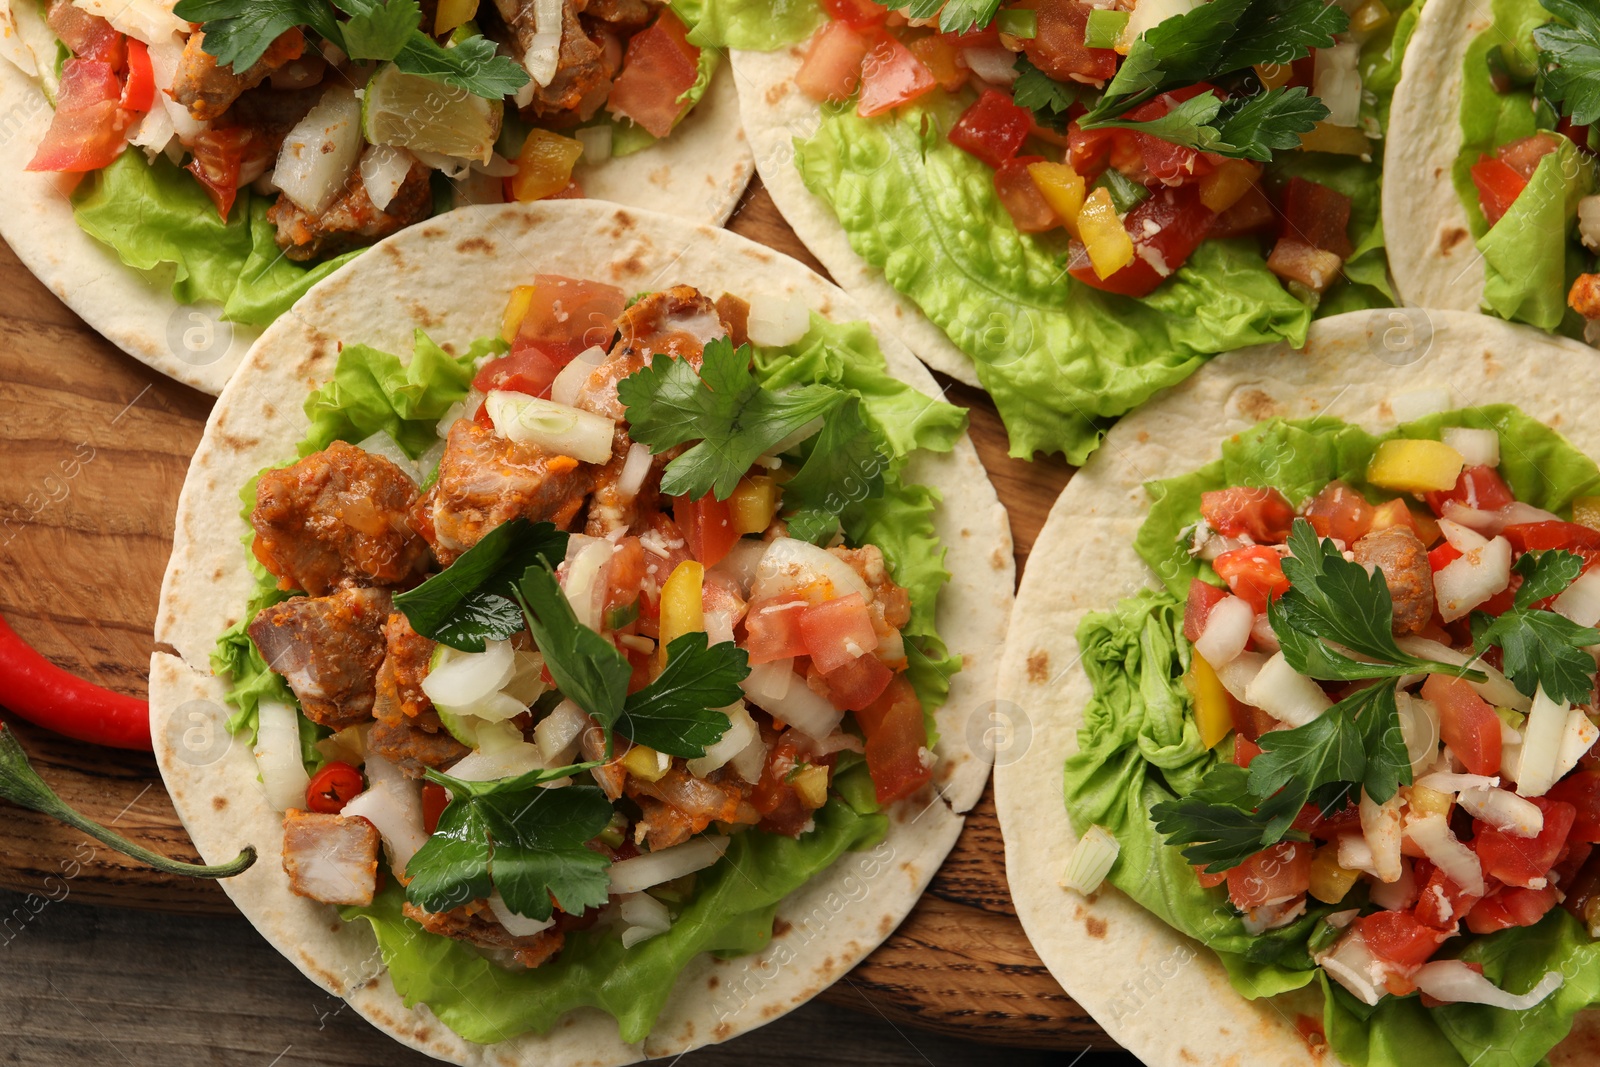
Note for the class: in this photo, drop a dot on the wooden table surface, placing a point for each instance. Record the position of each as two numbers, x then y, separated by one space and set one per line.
95 449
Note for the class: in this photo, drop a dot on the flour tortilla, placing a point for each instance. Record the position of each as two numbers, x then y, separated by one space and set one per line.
775 112
452 277
1434 260
1159 994
696 174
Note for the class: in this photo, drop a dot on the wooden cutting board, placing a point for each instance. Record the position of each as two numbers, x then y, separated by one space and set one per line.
95 449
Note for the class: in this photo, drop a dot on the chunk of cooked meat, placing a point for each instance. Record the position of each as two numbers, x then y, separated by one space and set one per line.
1403 559
1584 297
330 858
352 221
475 924
208 89
625 16
415 744
585 65
735 311
328 649
485 480
612 508
338 517
609 776
678 806
407 655
677 322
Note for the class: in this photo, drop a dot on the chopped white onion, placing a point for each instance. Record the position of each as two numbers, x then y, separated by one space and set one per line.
1419 727
459 681
803 708
770 680
741 563
1380 826
1286 694
384 169
1399 894
752 761
790 565
516 925
1542 736
777 320
1580 601
1454 982
645 917
558 733
1468 581
1447 782
586 562
485 765
995 64
653 868
568 383
1352 965
155 131
1227 631
1578 739
1091 860
320 151
393 804
543 54
1270 916
1461 538
1237 675
1432 834
1336 81
635 469
1504 810
165 58
147 20
556 428
283 773
1480 448
381 444
1497 689
596 141
741 729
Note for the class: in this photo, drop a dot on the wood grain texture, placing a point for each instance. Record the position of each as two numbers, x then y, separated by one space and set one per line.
95 448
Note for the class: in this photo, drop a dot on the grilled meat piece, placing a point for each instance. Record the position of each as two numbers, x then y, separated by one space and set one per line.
352 221
409 732
676 322
485 479
679 805
330 858
208 89
1403 559
475 924
328 649
585 65
338 517
414 744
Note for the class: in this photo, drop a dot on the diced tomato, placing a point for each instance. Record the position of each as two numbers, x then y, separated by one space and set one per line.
1498 187
1510 906
1020 195
897 736
139 91
858 683
567 316
1440 903
1341 512
1244 750
941 56
525 369
1088 150
773 796
1519 861
86 132
856 13
1397 936
1476 487
1539 536
1255 573
1317 215
1261 512
773 629
659 66
837 631
993 128
1161 160
1443 556
1251 213
1058 48
218 155
832 67
1277 873
1346 820
86 35
625 574
891 76
1523 154
1166 228
707 525
1581 789
1209 881
332 787
1467 722
434 800
1203 596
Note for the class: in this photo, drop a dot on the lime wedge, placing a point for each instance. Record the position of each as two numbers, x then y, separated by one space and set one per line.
423 115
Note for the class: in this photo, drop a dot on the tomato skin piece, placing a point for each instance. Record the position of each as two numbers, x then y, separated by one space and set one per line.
1058 47
1498 187
1255 573
1523 154
1317 215
567 316
1397 936
1339 511
858 14
332 787
1283 870
1203 596
891 76
87 35
1209 881
1467 723
659 66
1539 536
218 156
707 525
1440 903
1477 487
858 683
1181 223
837 631
1020 196
525 369
139 91
1518 861
1244 750
1261 512
1581 789
773 629
896 736
993 128
434 800
1510 906
87 130
832 67
1167 163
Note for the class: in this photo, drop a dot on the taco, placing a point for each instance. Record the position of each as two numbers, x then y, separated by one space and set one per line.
1499 211
1315 669
1072 204
726 840
180 183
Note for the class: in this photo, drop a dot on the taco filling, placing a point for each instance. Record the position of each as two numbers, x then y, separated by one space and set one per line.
1378 660
252 153
569 662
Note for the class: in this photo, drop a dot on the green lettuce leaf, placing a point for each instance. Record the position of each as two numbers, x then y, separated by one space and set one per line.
1529 258
731 915
1061 360
758 25
158 220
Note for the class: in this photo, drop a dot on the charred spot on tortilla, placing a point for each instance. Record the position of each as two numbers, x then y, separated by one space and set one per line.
1255 404
776 93
1449 239
425 316
1039 666
1095 927
219 802
478 245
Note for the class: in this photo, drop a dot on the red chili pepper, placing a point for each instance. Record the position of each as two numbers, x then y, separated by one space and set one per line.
45 695
333 787
434 801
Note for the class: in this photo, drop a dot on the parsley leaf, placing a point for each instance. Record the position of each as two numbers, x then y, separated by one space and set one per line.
1245 127
955 16
472 600
1542 648
379 30
723 407
678 712
1220 822
1047 98
1569 59
586 667
845 466
239 31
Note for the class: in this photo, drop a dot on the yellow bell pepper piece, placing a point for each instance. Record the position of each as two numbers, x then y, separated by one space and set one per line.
1225 186
516 311
1586 511
1369 16
1406 466
753 503
811 783
1329 881
453 13
1274 75
1110 247
682 610
1428 801
1062 188
544 166
646 763
1211 712
1337 140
